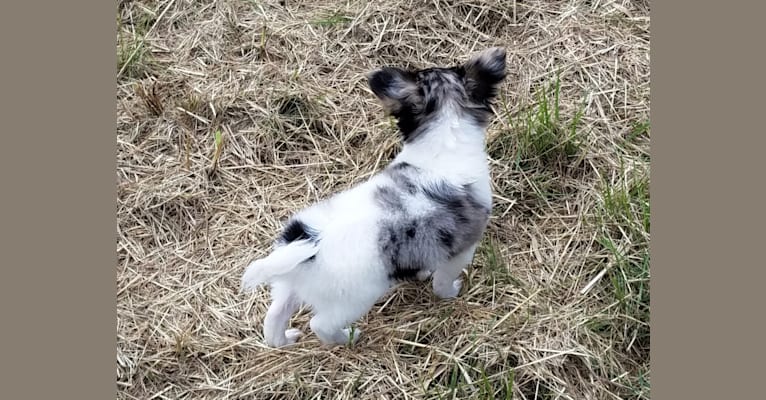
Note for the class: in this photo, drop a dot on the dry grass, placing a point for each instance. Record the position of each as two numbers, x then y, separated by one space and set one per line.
232 114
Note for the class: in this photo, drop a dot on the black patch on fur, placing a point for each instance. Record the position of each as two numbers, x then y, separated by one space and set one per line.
408 120
412 243
389 241
296 230
403 274
391 244
431 105
446 237
412 229
448 197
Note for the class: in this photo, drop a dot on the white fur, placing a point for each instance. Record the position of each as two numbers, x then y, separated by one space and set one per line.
348 276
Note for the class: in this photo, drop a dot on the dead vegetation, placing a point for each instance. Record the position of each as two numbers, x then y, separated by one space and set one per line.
232 114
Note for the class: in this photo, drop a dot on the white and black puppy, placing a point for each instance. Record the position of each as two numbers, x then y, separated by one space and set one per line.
423 215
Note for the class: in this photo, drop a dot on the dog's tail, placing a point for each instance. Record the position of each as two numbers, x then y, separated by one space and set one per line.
281 261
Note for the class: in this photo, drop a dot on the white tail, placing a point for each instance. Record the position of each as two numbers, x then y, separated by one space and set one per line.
281 261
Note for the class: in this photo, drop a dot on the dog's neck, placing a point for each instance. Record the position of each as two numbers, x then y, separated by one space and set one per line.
452 143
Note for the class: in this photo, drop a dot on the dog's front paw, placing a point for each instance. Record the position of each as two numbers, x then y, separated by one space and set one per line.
449 291
352 334
292 335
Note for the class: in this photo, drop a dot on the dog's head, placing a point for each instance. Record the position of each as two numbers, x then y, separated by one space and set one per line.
414 97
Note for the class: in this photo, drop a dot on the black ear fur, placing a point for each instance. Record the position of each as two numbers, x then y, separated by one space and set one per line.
483 74
395 87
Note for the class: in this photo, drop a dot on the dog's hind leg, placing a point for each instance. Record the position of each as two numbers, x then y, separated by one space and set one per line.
331 330
331 322
283 305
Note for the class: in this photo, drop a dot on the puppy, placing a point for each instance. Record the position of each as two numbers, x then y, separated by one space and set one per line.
422 216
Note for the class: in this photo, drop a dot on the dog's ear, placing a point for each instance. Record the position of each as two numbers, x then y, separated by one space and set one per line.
395 87
483 73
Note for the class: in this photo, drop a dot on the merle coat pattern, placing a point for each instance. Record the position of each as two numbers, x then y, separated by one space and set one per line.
421 216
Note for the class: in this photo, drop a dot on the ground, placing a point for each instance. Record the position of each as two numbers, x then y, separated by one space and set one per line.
233 114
